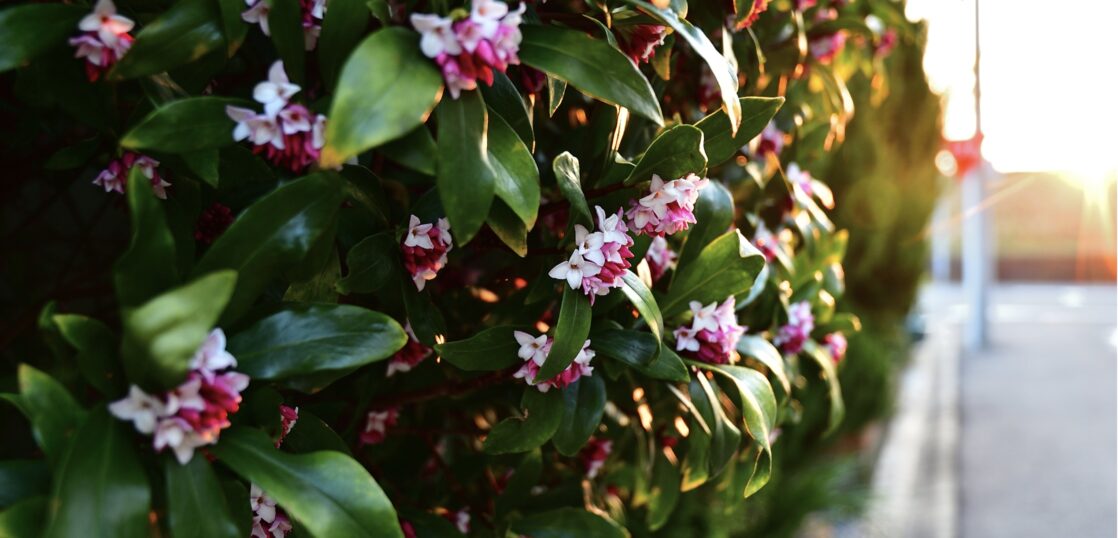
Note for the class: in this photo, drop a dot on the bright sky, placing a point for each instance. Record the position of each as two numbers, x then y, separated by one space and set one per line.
1049 74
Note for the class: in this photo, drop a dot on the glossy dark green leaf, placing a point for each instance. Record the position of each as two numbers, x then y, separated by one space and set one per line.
758 410
370 108
273 234
664 492
371 262
725 72
567 523
100 489
326 492
724 437
238 504
584 403
53 413
766 353
426 320
464 174
516 178
714 214
30 29
25 518
71 157
638 293
591 65
22 479
725 267
668 366
566 171
97 347
637 349
234 26
720 144
415 150
306 339
311 434
520 484
184 126
187 31
492 349
196 506
148 266
508 227
505 100
830 376
342 28
570 333
542 414
678 151
556 89
162 335
285 23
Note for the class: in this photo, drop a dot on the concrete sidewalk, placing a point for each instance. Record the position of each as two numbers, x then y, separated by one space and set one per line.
1016 441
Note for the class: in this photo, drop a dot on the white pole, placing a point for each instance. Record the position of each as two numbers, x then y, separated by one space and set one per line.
976 244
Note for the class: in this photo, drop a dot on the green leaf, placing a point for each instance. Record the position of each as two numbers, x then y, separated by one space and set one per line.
30 29
678 151
714 214
25 518
310 434
234 26
426 320
238 504
285 22
326 492
463 173
830 375
148 266
725 73
592 66
566 171
668 366
51 410
664 493
758 410
708 454
307 339
767 354
519 486
162 335
372 263
720 144
492 349
273 234
584 403
71 157
97 348
342 28
370 108
725 267
556 88
508 227
567 523
415 150
204 165
570 333
634 348
505 100
516 178
543 411
196 505
187 31
100 489
22 479
641 297
184 126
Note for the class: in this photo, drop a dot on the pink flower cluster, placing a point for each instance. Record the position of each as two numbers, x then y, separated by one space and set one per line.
534 351
470 49
759 6
639 41
409 356
770 141
268 520
194 413
713 334
424 248
791 337
288 417
800 178
770 244
212 223
594 455
286 133
377 424
599 258
660 257
313 11
668 208
104 39
836 344
115 176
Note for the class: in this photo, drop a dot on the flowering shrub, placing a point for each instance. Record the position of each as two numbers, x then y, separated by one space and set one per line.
434 268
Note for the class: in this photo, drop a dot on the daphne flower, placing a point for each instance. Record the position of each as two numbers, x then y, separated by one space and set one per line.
471 48
106 23
437 36
668 208
599 258
286 133
660 257
770 141
534 352
376 426
800 178
836 344
424 248
139 407
212 355
639 41
296 119
409 356
104 40
713 334
532 348
594 455
262 505
257 13
275 92
791 337
177 434
115 176
268 520
460 519
574 270
759 6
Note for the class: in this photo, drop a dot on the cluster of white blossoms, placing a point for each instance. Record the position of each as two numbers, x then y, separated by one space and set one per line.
104 39
287 133
472 48
534 351
424 248
599 258
668 208
312 12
